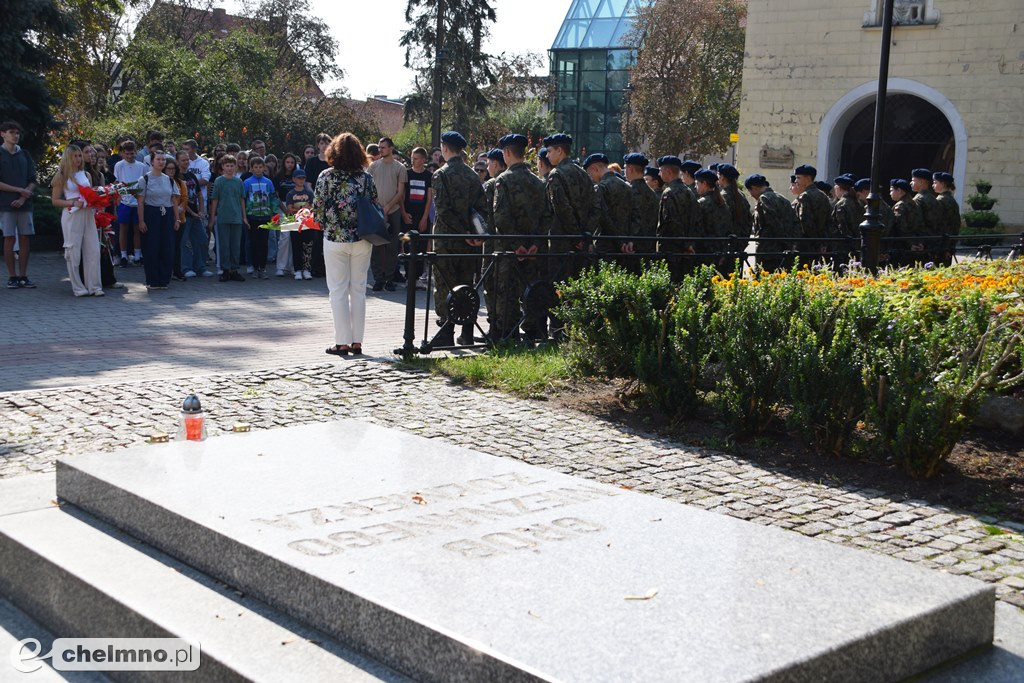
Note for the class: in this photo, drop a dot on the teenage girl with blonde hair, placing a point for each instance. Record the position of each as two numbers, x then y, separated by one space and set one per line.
78 223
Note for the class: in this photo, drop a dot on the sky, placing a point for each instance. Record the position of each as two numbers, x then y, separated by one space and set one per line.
374 61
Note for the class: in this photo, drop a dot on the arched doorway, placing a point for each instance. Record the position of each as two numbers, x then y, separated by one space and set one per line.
916 135
837 120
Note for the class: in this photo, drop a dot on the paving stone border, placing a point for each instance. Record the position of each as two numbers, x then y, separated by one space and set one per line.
36 427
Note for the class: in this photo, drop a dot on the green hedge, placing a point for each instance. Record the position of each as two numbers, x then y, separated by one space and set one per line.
905 357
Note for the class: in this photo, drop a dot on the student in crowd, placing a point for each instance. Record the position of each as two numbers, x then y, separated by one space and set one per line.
158 221
129 171
347 257
243 165
419 197
194 240
77 222
389 178
284 184
300 197
227 212
260 207
95 159
173 171
308 152
313 168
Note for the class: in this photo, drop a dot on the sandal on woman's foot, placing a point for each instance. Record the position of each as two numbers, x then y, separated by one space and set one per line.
357 349
338 350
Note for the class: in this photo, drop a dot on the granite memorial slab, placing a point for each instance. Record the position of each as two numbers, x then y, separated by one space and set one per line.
448 564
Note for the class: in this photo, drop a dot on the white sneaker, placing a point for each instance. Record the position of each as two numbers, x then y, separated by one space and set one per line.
298 275
249 270
207 273
306 275
279 273
190 273
220 271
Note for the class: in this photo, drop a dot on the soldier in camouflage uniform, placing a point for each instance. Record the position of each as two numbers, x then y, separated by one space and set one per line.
949 211
643 215
774 217
740 215
456 190
495 167
712 219
571 198
814 210
907 224
863 188
848 214
613 203
921 186
519 209
688 168
676 218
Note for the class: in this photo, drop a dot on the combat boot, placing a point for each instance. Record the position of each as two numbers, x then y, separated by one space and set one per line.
466 338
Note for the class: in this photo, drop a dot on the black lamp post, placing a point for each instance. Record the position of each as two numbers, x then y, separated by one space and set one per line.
871 228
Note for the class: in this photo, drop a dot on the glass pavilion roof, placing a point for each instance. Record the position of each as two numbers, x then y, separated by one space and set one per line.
595 24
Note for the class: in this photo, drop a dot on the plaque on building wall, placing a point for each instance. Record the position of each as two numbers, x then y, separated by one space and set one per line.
777 157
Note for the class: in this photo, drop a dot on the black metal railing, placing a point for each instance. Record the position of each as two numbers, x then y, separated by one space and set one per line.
538 295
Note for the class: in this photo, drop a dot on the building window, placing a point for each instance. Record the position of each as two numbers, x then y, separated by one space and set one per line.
905 13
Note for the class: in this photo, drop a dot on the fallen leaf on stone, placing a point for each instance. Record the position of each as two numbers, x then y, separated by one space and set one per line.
646 596
288 640
419 500
535 616
55 503
623 486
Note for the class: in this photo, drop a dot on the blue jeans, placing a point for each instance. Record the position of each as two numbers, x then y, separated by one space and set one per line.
194 244
229 244
158 245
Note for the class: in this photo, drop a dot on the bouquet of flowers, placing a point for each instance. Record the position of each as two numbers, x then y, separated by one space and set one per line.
303 220
105 195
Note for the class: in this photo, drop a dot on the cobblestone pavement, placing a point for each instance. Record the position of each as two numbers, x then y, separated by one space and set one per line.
36 427
53 339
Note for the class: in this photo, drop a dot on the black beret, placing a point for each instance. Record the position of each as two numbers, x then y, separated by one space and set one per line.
496 155
652 171
558 139
806 169
715 167
635 159
843 181
823 186
862 184
690 167
755 180
901 184
944 177
706 176
728 170
543 153
670 160
512 139
597 158
453 139
921 173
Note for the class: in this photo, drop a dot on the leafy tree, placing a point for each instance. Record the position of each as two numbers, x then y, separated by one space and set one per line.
24 94
686 82
465 68
303 43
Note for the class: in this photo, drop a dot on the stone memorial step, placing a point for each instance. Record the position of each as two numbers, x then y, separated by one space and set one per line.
79 577
448 564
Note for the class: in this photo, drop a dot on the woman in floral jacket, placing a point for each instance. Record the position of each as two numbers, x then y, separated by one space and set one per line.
346 256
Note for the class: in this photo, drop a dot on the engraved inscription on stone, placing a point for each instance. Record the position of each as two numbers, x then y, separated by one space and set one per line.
777 157
534 513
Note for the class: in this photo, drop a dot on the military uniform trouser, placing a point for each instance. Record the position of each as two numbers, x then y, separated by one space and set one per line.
504 289
448 274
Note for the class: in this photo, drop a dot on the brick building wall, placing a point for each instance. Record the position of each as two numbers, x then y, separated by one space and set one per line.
810 66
